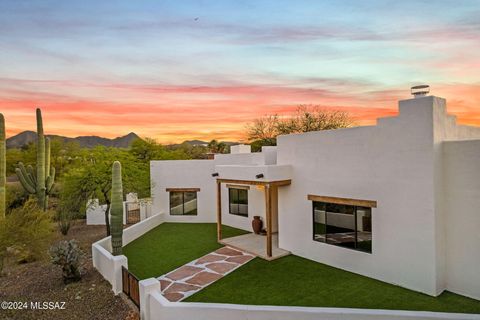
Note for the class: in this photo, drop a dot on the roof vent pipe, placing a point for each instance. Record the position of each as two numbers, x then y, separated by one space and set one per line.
420 91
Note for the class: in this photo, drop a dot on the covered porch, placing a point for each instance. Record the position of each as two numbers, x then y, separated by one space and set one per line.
263 246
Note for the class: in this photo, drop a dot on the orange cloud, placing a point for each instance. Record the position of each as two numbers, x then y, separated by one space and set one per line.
176 113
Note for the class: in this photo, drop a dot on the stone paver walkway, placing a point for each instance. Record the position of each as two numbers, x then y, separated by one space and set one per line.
196 275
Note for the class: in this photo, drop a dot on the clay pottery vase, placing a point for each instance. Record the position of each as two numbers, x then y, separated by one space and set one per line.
257 224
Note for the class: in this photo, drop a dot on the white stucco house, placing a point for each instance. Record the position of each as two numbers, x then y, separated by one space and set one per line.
398 201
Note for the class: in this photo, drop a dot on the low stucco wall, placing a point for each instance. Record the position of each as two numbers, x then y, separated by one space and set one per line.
154 306
110 266
95 213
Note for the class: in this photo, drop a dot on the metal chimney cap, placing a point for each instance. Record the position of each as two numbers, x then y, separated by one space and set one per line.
420 91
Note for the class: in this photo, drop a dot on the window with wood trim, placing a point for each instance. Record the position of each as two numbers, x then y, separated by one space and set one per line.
343 225
183 203
238 201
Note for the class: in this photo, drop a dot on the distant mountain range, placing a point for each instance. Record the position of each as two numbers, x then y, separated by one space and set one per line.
204 143
26 137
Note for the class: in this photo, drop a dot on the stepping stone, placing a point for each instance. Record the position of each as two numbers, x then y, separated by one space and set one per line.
173 296
228 252
240 259
183 272
204 278
164 284
221 267
181 287
210 258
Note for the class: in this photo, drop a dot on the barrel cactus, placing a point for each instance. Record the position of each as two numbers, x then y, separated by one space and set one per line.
3 168
40 181
116 210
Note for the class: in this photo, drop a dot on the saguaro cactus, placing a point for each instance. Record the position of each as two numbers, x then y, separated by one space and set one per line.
40 182
3 167
116 211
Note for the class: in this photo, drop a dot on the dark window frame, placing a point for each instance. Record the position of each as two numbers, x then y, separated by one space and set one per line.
355 217
183 202
230 204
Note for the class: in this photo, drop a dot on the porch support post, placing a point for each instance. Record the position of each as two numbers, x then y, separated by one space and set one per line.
268 214
219 210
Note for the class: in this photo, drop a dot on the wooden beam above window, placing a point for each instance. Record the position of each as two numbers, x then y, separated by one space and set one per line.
182 189
277 183
238 186
346 201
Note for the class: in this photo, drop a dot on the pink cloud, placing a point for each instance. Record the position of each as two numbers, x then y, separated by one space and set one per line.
175 113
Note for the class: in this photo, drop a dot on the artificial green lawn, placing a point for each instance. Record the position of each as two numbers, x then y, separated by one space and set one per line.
171 245
295 281
289 281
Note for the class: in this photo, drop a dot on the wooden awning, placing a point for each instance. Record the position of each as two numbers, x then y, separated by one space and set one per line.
182 189
277 183
346 201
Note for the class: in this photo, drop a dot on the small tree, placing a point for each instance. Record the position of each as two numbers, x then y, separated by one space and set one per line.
264 131
94 180
69 256
217 147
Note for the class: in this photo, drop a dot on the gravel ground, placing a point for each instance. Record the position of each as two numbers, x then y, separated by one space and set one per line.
90 298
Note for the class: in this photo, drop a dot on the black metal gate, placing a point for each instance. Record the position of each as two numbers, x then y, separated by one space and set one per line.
133 212
130 286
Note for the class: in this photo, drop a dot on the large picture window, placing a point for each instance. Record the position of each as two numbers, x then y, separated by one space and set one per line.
238 201
183 203
343 225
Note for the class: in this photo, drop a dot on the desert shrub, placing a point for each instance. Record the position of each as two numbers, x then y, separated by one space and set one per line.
64 221
69 256
26 233
16 196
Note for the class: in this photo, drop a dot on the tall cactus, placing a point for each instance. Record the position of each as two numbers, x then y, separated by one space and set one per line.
116 211
40 182
3 167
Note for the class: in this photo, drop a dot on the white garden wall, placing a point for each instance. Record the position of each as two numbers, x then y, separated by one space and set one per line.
155 307
95 212
110 266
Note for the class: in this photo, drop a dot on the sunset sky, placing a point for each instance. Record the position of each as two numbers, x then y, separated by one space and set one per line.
177 70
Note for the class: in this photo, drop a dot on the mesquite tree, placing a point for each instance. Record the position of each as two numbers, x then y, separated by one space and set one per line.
92 179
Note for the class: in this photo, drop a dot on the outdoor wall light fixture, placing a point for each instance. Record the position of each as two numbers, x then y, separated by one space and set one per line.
215 174
259 176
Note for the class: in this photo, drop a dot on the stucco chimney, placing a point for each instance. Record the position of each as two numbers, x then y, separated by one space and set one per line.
420 91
